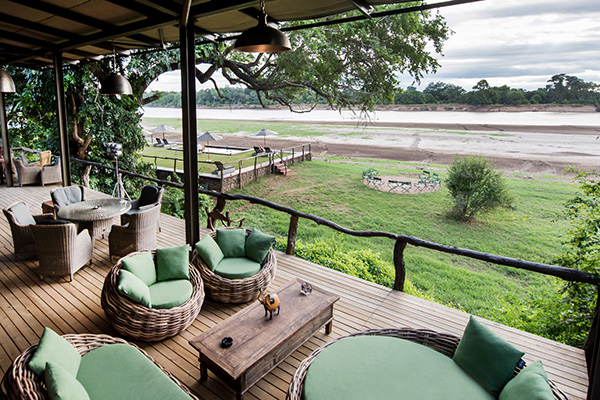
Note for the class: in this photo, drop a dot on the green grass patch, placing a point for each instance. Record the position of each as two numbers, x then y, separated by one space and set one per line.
335 191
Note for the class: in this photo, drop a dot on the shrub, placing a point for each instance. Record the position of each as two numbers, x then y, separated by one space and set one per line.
475 187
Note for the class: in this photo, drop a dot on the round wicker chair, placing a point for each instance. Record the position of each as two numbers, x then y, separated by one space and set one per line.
236 290
444 343
20 382
133 320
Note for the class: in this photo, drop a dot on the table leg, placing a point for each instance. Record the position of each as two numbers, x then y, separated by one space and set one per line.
329 327
203 372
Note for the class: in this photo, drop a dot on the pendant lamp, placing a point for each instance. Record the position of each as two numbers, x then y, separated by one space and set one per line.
115 83
262 38
7 85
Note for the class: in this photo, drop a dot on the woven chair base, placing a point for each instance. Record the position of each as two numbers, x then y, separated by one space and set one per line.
244 290
20 382
148 324
444 343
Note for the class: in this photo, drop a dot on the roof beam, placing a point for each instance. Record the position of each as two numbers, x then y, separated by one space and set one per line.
364 7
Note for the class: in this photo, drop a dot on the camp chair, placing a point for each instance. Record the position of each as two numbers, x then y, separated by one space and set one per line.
425 175
405 186
393 185
421 185
435 178
376 181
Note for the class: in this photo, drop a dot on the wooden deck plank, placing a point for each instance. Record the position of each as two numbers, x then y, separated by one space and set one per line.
27 304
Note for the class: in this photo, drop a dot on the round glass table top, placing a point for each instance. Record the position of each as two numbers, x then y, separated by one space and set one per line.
94 209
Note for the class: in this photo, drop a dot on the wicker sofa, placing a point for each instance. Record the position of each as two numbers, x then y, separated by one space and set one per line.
137 321
227 290
20 382
443 343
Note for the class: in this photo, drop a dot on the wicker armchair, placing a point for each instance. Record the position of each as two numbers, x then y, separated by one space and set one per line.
139 233
441 342
148 324
226 290
51 173
23 241
150 196
61 250
20 382
63 196
27 174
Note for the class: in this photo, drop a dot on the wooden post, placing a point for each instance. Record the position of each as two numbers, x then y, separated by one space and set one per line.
302 152
309 152
399 265
292 156
255 170
240 173
592 354
291 242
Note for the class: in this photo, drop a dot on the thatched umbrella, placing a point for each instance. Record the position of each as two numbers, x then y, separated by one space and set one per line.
264 133
162 129
208 137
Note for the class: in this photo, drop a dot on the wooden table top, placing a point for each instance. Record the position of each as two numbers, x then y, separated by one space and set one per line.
254 335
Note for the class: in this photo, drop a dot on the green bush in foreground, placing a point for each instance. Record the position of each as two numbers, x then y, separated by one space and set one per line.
475 187
364 264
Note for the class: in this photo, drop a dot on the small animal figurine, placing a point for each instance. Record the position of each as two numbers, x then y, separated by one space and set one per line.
270 302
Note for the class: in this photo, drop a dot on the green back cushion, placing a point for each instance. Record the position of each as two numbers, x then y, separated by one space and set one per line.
258 245
134 288
122 372
237 268
379 367
169 294
209 251
142 266
61 385
22 214
529 384
54 348
173 263
487 357
232 242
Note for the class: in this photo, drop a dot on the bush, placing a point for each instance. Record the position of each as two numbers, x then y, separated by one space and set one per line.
475 187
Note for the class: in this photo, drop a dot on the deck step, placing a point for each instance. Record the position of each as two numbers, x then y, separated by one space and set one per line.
280 168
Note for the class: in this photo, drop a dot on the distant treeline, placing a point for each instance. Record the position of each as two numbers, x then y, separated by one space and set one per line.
561 89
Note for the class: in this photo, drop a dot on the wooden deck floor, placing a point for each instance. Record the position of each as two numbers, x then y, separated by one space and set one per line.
28 304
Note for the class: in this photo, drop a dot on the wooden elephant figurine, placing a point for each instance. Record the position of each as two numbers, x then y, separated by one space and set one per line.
270 302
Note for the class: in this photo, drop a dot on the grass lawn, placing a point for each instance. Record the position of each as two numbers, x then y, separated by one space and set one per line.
334 191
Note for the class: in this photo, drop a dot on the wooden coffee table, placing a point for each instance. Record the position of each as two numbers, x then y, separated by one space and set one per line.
260 344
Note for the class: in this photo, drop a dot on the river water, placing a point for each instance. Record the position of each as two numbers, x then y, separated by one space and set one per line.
433 117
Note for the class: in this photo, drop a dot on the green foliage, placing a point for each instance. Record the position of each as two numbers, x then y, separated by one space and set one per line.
330 253
173 202
475 187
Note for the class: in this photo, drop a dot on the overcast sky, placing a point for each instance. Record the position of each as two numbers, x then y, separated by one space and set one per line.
519 43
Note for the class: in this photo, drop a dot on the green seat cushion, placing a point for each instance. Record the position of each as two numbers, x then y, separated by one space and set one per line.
529 384
134 288
142 266
487 357
54 348
237 268
379 367
173 263
122 372
169 294
209 251
61 385
258 245
232 242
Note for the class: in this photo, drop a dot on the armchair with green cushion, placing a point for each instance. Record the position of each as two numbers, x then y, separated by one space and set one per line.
235 264
153 295
20 219
88 366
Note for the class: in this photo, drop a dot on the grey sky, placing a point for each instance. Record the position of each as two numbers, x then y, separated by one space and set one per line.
519 43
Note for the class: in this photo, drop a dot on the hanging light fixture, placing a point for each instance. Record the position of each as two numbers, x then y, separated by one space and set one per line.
115 83
7 85
262 38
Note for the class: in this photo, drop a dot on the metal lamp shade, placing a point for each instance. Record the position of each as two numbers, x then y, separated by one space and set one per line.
262 39
7 85
115 84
